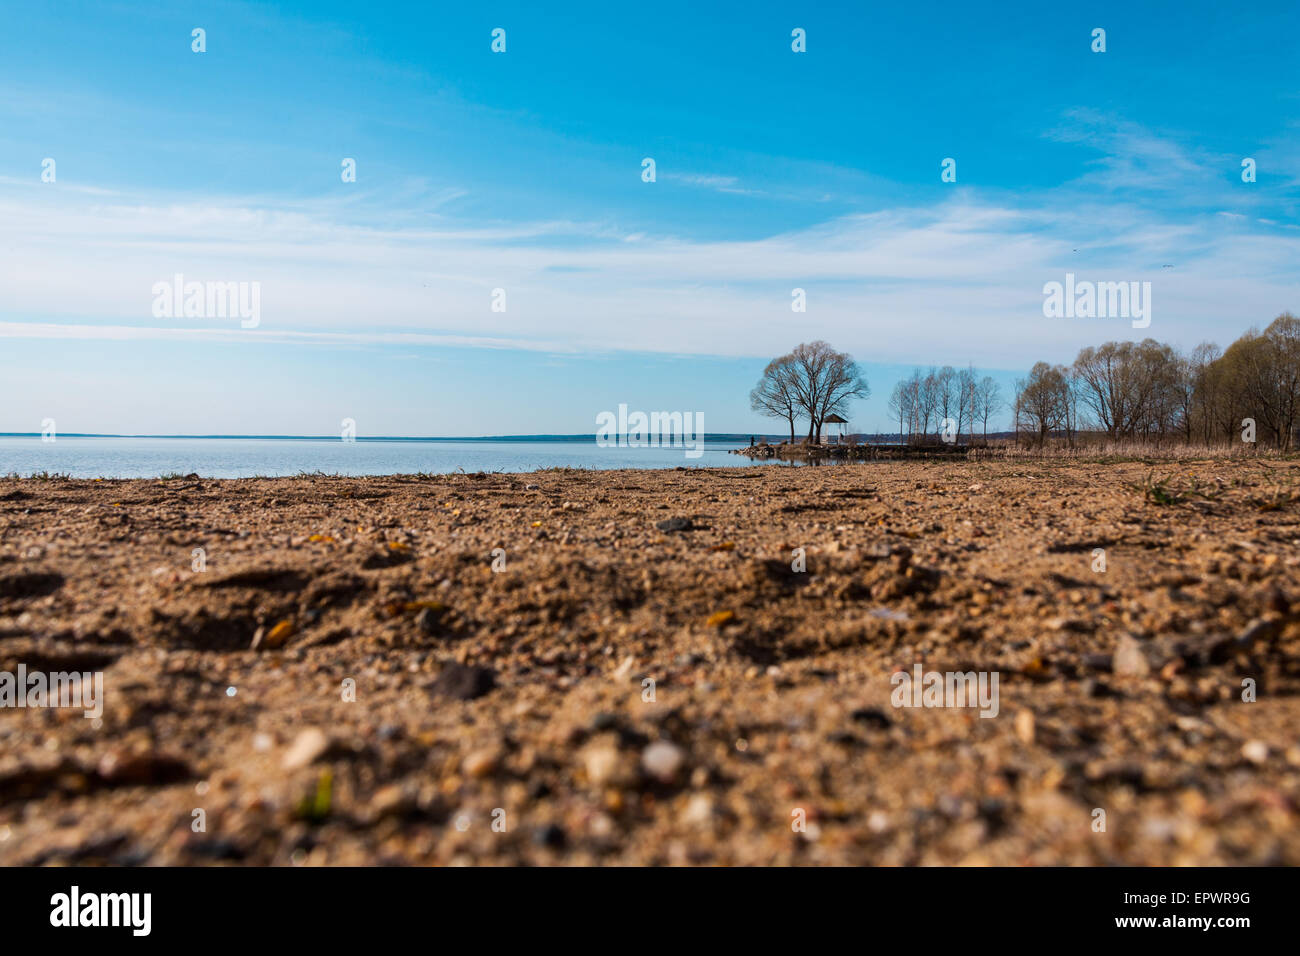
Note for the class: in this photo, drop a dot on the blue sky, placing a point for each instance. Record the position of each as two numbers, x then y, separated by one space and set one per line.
522 171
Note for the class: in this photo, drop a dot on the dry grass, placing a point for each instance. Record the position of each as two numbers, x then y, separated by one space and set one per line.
1127 450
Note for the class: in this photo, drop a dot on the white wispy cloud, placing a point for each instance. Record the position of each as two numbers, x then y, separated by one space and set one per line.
952 281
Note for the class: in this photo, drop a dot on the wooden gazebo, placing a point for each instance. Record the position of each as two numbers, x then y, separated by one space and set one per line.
834 419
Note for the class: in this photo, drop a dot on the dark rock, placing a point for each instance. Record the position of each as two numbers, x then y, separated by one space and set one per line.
119 769
217 849
461 682
551 835
1097 662
674 524
388 558
872 717
26 584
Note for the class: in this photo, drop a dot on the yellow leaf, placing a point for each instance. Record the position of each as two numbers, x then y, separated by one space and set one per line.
410 607
280 633
720 618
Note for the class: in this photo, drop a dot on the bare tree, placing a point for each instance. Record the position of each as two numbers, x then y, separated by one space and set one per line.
1043 400
824 382
1131 388
946 395
775 395
988 400
928 400
1265 367
900 406
1206 395
966 388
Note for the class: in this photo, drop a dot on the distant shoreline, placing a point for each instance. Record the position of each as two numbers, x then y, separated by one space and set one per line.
719 437
714 437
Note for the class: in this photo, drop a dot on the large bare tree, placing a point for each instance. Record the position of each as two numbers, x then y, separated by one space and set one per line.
774 395
825 382
1044 400
988 400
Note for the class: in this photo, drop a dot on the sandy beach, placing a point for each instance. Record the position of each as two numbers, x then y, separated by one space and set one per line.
340 675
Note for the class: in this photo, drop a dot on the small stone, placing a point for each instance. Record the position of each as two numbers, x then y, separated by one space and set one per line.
391 800
872 717
1129 659
1259 631
119 768
1256 751
1025 726
427 621
309 747
699 810
662 760
481 763
551 835
461 682
1098 662
604 765
674 524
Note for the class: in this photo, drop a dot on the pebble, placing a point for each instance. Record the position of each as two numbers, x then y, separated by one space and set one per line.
461 682
1129 659
391 800
699 810
662 760
120 768
427 621
674 524
872 717
480 763
1025 726
307 748
603 765
1256 751
551 835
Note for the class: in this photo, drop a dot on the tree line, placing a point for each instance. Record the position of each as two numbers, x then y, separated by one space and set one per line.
1150 392
961 398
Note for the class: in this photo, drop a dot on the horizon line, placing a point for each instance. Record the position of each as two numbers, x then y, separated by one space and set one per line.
541 436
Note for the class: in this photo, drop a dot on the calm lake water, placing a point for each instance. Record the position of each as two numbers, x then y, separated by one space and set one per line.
248 457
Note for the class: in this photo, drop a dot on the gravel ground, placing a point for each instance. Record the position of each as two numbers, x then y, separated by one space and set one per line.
342 677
